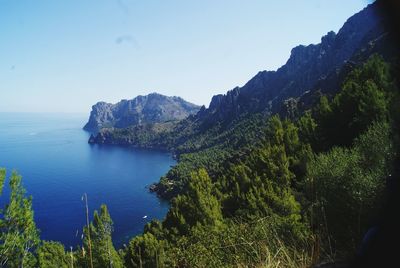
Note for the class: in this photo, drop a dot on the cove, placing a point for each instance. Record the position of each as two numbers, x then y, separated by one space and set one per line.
58 166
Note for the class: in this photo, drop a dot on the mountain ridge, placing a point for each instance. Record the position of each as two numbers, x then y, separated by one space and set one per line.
308 70
305 66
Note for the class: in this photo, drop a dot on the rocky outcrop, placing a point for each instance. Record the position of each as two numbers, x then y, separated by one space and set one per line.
150 109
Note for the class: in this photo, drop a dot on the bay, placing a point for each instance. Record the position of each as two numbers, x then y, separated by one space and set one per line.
58 166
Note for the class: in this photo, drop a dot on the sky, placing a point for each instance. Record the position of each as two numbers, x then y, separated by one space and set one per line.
66 55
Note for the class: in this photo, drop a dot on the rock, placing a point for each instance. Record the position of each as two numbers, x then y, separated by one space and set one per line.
92 139
267 90
153 187
153 108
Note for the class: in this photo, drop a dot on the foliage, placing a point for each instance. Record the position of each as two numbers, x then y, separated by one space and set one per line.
209 148
366 96
347 185
265 242
198 206
2 179
259 191
52 254
260 184
19 236
145 251
103 251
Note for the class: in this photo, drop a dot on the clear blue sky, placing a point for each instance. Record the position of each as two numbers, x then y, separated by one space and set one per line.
65 55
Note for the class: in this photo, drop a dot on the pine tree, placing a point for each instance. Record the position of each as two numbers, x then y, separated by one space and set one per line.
145 251
197 206
347 184
365 97
103 251
52 254
19 236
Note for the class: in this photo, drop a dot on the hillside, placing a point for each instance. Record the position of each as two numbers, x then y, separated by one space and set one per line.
297 168
268 92
306 191
237 120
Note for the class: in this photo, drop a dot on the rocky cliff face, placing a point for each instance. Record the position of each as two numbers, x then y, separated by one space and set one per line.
153 108
306 66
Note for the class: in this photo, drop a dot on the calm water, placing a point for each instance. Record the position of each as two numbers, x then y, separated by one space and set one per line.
58 165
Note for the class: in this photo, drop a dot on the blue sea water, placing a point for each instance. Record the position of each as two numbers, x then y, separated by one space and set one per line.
58 166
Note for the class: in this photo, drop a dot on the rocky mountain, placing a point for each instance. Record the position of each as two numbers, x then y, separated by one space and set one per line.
149 109
309 70
306 66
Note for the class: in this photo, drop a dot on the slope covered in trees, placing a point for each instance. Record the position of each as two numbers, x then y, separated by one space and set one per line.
280 191
294 175
234 121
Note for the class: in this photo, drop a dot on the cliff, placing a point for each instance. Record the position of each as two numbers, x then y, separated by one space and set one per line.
149 109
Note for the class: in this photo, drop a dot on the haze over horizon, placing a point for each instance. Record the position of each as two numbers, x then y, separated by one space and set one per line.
65 56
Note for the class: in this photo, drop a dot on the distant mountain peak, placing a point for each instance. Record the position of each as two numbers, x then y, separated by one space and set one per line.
147 109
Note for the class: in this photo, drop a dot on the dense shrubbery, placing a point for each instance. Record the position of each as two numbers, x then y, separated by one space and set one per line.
347 186
282 193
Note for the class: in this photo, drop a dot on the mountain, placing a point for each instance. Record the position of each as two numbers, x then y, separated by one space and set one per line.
308 70
236 120
149 109
306 66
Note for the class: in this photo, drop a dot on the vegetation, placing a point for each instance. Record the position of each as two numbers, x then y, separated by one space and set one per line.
100 243
276 193
52 254
19 236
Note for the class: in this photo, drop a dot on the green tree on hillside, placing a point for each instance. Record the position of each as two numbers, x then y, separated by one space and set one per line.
19 236
259 185
145 251
103 251
198 205
366 96
52 254
347 185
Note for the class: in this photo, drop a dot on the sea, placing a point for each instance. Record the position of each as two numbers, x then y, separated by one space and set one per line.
58 166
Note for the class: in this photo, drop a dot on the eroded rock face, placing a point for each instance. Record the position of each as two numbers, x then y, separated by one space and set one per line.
152 108
306 65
